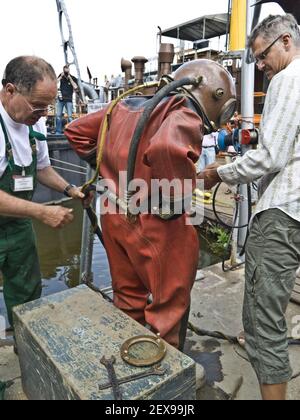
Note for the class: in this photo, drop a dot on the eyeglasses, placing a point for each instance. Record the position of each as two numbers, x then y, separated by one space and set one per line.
263 55
34 111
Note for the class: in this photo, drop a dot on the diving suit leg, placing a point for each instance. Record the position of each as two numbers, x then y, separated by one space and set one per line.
157 258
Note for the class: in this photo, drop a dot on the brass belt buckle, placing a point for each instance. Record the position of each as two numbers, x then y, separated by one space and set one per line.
143 362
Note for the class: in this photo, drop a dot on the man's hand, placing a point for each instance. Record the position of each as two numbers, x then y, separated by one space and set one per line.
213 166
210 177
56 216
76 193
88 199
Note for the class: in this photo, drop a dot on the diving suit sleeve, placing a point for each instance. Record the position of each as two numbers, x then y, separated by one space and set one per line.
82 135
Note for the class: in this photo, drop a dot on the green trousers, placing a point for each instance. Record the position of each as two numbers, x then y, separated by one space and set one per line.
19 264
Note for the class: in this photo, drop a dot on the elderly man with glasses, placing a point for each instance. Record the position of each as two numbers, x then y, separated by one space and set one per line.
29 87
273 247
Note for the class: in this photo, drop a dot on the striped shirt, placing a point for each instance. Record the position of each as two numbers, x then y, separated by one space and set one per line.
276 162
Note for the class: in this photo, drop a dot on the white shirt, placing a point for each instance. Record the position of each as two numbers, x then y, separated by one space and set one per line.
19 139
210 140
277 160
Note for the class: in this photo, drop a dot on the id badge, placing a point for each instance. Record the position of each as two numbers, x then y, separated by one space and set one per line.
22 183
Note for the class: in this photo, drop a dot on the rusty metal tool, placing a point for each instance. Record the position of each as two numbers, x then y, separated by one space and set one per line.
114 382
154 371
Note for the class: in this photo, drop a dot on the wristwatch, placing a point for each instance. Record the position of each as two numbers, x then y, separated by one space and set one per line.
68 188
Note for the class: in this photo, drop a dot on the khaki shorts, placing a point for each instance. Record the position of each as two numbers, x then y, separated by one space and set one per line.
272 259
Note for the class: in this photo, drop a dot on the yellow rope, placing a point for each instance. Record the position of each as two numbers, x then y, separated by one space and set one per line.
103 132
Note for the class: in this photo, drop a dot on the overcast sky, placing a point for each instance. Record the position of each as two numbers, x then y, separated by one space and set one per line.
103 31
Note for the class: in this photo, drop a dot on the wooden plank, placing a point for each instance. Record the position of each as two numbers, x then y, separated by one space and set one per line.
62 338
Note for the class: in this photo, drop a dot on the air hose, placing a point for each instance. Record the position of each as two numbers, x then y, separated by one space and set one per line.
216 212
234 226
231 339
92 215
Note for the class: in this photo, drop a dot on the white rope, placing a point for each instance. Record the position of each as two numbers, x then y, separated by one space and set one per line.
69 170
67 163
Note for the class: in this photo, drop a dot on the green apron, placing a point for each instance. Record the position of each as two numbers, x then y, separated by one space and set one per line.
19 261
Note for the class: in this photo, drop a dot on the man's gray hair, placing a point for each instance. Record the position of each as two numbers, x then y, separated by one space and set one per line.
25 71
275 25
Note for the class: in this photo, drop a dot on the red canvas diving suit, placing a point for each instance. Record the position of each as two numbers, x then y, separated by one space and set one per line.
151 256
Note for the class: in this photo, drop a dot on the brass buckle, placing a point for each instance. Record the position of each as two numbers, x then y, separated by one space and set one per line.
157 341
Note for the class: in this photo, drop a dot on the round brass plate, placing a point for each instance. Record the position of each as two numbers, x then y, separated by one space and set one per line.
139 362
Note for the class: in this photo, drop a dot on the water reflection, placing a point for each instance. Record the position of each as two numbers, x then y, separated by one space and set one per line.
59 250
59 253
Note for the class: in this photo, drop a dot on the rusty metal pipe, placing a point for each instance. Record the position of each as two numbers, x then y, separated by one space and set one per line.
139 67
126 67
165 58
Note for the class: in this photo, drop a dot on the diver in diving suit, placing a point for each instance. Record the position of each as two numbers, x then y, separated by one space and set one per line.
157 256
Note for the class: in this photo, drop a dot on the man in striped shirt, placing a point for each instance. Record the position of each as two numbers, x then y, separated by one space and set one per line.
273 247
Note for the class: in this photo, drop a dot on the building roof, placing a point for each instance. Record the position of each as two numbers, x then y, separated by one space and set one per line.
205 27
289 6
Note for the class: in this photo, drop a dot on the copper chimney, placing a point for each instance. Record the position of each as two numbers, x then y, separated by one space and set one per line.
126 67
139 67
165 58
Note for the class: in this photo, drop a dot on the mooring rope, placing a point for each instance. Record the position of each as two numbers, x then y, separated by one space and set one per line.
68 163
